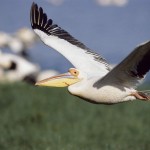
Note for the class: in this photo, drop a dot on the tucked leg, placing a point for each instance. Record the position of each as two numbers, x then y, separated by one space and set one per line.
140 96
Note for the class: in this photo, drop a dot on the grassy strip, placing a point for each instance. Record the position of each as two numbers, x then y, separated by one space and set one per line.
36 118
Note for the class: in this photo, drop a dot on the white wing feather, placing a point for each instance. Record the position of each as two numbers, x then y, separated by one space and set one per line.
57 38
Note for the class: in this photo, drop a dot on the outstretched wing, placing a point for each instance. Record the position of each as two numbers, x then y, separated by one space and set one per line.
57 38
132 69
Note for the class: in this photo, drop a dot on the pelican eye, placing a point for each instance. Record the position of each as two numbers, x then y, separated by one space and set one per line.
74 72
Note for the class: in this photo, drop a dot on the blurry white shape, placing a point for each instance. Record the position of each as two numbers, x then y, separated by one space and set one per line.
46 74
4 39
55 2
27 36
104 2
16 45
118 3
12 42
18 42
14 68
21 68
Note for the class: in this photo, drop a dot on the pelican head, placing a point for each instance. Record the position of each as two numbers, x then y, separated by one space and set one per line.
71 77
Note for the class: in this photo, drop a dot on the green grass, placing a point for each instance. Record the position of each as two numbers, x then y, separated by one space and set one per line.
36 118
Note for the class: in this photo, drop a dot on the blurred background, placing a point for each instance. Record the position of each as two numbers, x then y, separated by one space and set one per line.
112 28
42 118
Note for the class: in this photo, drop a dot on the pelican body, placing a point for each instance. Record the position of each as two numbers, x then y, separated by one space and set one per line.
92 79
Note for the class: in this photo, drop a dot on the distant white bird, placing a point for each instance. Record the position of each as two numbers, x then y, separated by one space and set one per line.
55 2
92 79
13 43
16 45
26 36
4 39
15 68
118 3
19 42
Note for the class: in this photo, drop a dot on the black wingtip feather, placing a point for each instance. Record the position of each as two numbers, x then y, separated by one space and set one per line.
39 19
144 65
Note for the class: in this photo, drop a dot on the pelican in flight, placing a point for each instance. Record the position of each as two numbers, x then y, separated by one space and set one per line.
92 79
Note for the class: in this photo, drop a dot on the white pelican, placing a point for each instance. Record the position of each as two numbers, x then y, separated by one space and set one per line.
16 46
118 3
92 78
27 36
13 43
4 39
15 68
